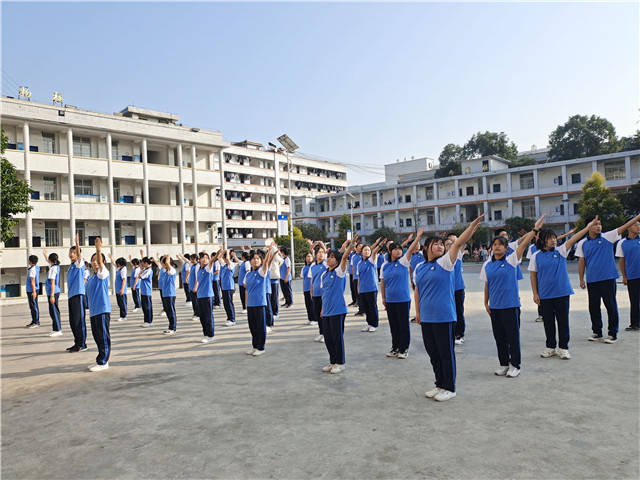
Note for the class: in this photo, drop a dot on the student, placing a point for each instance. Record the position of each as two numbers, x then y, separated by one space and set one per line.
216 281
306 287
502 300
99 308
596 258
75 301
353 287
204 292
184 276
53 292
121 285
315 273
368 285
334 308
87 269
285 278
228 285
135 294
416 259
436 309
193 275
551 288
160 279
33 284
628 250
381 259
167 286
255 282
270 316
355 260
396 295
458 290
244 267
144 278
274 290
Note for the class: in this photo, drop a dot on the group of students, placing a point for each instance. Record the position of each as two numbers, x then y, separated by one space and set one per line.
431 270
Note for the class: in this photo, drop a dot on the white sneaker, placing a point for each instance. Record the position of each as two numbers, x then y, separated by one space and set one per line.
308 322
135 310
548 352
610 339
595 338
244 310
319 338
402 355
501 371
57 333
337 369
313 323
161 313
328 368
372 329
169 332
250 351
206 340
459 341
98 368
513 372
275 317
257 353
365 328
187 302
145 325
432 393
195 319
539 319
563 353
229 323
33 325
216 307
121 319
444 395
392 353
269 329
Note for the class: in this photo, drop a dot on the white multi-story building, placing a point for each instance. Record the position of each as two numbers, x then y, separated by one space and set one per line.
140 180
486 185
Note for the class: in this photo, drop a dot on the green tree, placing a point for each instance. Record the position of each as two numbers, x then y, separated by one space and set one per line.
300 245
344 224
449 161
15 193
582 136
490 143
598 200
312 232
481 236
630 143
631 200
385 232
515 225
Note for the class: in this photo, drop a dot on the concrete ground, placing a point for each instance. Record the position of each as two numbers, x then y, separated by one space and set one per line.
172 408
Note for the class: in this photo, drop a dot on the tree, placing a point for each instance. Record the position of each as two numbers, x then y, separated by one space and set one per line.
450 153
15 194
598 200
523 161
481 236
630 143
300 244
582 136
490 143
515 225
312 231
631 200
449 169
385 232
344 224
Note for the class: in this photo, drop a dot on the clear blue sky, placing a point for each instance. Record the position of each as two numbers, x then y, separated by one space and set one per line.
365 83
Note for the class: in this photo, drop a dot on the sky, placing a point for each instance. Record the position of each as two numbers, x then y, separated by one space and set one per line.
359 83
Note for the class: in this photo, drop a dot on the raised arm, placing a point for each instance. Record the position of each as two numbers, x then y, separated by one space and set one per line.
415 246
572 241
464 238
99 252
523 244
407 240
113 261
345 256
565 235
628 224
78 249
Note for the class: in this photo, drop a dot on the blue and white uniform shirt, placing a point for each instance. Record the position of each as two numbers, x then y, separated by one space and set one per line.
169 282
435 281
629 248
502 279
54 274
396 280
121 278
598 256
256 282
332 283
98 292
75 278
367 273
552 273
315 274
144 284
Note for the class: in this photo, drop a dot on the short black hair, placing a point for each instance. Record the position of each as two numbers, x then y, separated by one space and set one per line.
336 253
33 259
499 231
589 219
245 255
543 236
499 239
53 258
146 260
135 261
121 262
284 251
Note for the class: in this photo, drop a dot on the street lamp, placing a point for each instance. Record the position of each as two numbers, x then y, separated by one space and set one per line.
290 147
352 202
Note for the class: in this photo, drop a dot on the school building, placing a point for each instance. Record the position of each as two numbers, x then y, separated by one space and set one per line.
141 180
407 200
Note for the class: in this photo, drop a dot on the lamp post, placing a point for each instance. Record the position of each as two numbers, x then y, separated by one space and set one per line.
352 225
290 147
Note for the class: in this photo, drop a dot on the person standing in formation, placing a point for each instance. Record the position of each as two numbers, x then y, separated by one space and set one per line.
204 292
596 259
368 285
285 278
193 276
458 290
52 288
75 301
551 288
436 309
135 294
315 274
256 281
121 286
216 280
167 286
306 287
244 267
33 284
628 251
184 276
99 308
144 279
228 285
396 295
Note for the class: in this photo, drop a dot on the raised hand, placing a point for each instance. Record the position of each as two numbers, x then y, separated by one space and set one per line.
539 222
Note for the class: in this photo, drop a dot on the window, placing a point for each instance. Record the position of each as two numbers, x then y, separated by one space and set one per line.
497 214
467 170
116 191
50 188
118 232
576 178
312 207
81 147
13 242
614 171
401 223
36 241
48 142
469 190
459 192
575 209
558 180
496 188
428 192
374 200
485 165
430 217
298 206
408 222
80 232
83 186
358 226
114 151
51 234
526 181
407 198
528 208
561 210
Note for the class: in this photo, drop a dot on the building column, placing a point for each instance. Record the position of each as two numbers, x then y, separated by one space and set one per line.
112 226
27 178
361 221
436 217
485 206
395 197
183 224
414 196
331 224
485 190
536 199
435 191
397 217
565 202
72 208
565 183
361 200
457 213
194 184
594 166
627 169
509 183
509 208
378 198
145 191
456 187
379 217
535 181
223 200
